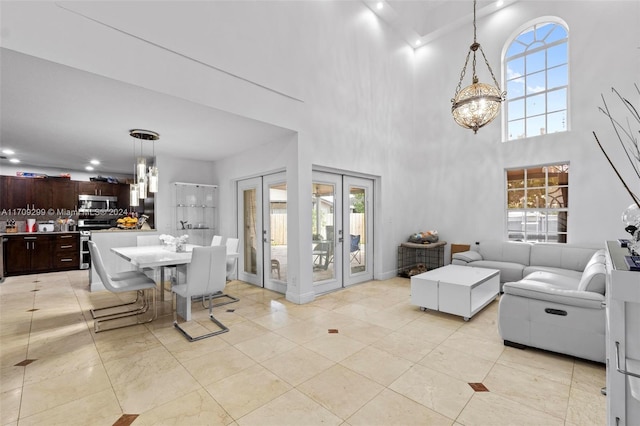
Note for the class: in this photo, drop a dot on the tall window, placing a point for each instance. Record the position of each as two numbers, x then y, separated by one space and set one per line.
537 80
538 203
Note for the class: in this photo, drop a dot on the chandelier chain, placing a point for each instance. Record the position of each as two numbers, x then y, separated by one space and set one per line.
490 70
462 73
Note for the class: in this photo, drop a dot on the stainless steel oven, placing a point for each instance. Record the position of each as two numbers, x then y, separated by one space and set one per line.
96 223
85 256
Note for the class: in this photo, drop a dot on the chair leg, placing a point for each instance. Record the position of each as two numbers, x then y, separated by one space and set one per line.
218 295
146 304
223 328
95 313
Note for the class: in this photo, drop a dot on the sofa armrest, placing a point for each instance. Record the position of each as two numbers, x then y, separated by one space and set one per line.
467 256
543 291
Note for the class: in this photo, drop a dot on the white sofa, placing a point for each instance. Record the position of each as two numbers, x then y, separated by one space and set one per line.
516 260
553 298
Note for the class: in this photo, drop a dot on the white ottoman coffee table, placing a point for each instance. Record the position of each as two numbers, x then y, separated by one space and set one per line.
455 289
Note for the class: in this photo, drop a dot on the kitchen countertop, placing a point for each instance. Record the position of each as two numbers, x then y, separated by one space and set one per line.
123 230
8 234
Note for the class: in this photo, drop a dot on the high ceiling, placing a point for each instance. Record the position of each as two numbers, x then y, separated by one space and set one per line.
61 116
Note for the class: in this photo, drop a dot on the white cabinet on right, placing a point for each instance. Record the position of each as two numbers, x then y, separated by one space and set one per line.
623 339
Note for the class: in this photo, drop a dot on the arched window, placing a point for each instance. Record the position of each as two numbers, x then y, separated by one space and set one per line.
536 66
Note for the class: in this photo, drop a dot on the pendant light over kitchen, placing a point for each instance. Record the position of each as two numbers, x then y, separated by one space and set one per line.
145 179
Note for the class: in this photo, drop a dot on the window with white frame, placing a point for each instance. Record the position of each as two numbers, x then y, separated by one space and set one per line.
536 65
538 203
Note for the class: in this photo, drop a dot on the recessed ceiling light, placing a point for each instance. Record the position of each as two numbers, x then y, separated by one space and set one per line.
418 42
89 168
499 3
14 160
379 5
8 152
94 162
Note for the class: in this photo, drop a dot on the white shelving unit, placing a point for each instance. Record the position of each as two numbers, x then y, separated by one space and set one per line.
623 339
196 211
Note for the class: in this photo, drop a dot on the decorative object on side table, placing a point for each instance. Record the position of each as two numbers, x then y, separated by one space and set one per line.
425 237
628 138
174 243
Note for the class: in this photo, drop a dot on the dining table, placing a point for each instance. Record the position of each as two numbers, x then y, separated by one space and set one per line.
158 256
155 256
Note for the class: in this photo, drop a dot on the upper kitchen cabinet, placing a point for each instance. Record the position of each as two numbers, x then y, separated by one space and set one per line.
99 188
16 192
39 193
64 194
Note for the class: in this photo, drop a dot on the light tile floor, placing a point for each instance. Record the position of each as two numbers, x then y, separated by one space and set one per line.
388 364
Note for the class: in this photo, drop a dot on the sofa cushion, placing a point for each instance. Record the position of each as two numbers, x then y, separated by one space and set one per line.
508 271
594 275
467 256
505 251
538 290
576 275
563 281
565 256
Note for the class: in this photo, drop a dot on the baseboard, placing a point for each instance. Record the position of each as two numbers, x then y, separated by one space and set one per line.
515 345
300 299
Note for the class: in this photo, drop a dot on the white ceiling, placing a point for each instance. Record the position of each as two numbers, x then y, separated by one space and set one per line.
61 117
58 116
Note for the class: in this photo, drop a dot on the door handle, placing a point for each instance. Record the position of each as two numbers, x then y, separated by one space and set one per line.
620 370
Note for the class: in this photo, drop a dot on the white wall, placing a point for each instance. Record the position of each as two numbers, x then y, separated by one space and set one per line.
463 179
355 77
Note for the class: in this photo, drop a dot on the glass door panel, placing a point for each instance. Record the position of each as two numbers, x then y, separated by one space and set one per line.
250 230
326 223
358 217
275 232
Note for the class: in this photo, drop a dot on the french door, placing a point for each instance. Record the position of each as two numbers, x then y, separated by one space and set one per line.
342 233
262 230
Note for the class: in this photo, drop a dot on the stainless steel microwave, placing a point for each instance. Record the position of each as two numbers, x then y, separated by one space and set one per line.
97 204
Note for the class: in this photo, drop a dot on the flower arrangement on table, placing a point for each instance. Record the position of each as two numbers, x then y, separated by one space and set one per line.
174 243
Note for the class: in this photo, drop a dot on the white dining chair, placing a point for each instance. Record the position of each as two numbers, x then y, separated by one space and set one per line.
231 258
205 276
232 255
122 282
148 240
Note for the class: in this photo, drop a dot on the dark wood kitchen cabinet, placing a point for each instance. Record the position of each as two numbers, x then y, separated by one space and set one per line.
98 188
39 193
28 254
66 252
64 194
16 192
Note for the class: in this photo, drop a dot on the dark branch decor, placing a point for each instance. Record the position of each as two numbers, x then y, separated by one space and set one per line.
627 134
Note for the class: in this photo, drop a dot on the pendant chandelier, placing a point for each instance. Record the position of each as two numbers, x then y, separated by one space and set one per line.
478 104
145 179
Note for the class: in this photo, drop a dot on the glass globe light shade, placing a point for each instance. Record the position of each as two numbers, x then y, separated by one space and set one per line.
476 106
134 195
631 216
